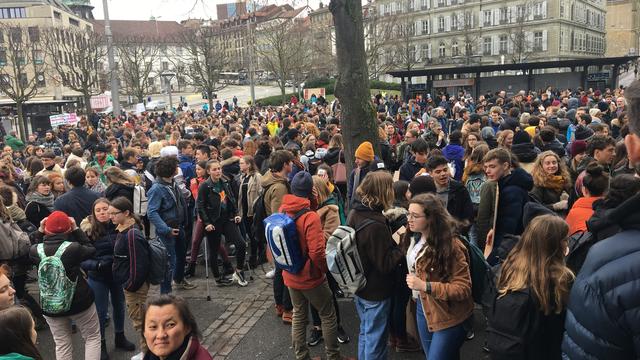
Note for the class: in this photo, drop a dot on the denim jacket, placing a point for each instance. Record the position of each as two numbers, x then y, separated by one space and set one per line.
163 205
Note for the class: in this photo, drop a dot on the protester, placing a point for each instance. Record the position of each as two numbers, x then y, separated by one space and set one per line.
250 184
551 182
7 292
78 201
594 185
18 334
39 199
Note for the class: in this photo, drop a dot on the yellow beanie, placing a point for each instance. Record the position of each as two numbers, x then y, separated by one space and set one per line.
365 151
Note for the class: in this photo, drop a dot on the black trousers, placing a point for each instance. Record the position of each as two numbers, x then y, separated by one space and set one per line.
280 291
232 236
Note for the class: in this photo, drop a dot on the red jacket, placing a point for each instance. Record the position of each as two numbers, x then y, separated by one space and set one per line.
580 212
311 242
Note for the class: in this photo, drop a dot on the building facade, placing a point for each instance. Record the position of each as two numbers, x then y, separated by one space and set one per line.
623 27
472 32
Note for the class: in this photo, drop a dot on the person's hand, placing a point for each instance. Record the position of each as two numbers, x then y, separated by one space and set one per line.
415 283
42 223
237 219
73 223
561 205
441 135
421 172
564 196
314 192
488 247
175 232
209 228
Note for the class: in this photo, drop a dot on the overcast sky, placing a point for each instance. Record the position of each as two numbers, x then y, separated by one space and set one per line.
176 10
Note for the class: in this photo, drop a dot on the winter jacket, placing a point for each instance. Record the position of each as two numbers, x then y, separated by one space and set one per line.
36 211
189 350
275 188
166 209
230 167
526 153
459 203
514 194
15 143
581 211
603 319
130 258
188 167
116 190
72 257
210 202
99 266
254 188
454 154
556 146
329 217
331 157
380 255
14 243
108 162
312 244
450 301
409 169
545 196
77 203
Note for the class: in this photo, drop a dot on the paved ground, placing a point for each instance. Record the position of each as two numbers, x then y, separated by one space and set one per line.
240 324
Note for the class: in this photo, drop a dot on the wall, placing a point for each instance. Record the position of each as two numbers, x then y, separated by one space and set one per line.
515 83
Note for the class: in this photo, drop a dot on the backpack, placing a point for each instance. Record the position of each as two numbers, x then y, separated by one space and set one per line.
140 201
282 237
259 214
56 289
579 244
509 322
343 259
483 286
158 260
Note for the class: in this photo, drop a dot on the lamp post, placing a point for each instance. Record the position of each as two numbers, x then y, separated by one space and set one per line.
115 91
168 76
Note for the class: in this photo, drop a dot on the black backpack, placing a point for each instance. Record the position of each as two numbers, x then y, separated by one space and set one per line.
579 244
509 322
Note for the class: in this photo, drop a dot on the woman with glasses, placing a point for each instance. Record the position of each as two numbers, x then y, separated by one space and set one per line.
130 258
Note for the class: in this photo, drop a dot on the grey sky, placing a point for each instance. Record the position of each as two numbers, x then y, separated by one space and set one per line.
176 10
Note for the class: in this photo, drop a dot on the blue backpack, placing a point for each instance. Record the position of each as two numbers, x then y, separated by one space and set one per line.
282 237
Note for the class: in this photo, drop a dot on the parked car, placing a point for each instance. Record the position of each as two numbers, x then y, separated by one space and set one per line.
156 105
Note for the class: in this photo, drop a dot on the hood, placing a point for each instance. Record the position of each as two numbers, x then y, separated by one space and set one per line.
230 161
518 177
291 204
627 215
269 179
453 151
573 103
525 152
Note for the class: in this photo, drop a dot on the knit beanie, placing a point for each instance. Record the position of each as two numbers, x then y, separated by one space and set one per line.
169 151
57 223
583 133
365 151
302 184
421 185
521 137
577 147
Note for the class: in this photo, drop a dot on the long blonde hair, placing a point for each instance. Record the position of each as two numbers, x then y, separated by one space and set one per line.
537 263
115 175
322 189
376 190
540 178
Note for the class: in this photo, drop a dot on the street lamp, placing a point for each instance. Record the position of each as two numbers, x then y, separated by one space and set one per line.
168 76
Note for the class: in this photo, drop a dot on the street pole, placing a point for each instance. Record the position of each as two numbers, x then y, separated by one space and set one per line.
251 69
170 98
115 91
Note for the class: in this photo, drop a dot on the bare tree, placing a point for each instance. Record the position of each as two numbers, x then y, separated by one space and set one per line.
520 39
469 38
282 50
137 56
80 67
404 49
22 73
352 82
379 33
202 61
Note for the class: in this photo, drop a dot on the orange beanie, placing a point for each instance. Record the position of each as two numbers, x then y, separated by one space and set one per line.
365 151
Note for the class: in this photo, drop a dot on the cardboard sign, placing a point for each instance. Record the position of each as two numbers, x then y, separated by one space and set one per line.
317 91
63 119
140 108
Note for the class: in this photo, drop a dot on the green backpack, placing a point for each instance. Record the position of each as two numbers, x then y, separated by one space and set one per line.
56 289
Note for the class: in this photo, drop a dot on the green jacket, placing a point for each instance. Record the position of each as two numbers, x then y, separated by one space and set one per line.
14 356
109 162
14 142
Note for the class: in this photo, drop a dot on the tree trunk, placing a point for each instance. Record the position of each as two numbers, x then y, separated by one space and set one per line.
352 83
283 90
210 100
87 104
21 125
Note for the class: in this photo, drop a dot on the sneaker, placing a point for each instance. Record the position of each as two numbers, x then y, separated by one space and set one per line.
270 274
190 270
185 285
238 276
228 269
315 338
223 281
343 338
470 334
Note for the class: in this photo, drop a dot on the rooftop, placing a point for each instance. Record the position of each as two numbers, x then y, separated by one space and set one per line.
152 29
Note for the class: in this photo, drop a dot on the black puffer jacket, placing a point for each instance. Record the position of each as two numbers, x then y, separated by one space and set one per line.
332 156
525 152
99 266
116 190
603 319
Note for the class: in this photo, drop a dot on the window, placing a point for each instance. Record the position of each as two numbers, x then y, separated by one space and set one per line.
441 24
537 41
20 57
454 49
562 9
426 51
165 66
74 22
425 4
454 22
537 11
23 80
503 44
3 57
504 17
13 13
487 17
179 50
57 15
441 50
38 57
34 34
425 27
40 80
16 35
486 46
521 12
5 80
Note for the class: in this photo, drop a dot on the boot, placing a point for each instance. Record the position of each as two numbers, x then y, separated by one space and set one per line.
190 270
121 342
104 354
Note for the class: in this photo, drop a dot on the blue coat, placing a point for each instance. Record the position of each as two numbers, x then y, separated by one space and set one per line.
603 319
162 209
77 203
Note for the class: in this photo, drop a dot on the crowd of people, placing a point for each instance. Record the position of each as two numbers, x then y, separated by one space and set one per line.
543 185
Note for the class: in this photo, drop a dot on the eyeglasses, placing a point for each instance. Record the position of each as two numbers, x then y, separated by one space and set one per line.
414 216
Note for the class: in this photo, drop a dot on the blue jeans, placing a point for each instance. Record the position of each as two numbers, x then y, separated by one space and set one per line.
440 345
374 323
176 250
101 290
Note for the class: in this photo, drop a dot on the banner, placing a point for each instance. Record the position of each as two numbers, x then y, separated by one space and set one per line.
140 108
317 91
63 119
100 102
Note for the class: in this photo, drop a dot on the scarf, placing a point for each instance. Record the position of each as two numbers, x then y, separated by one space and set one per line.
42 199
556 183
16 213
